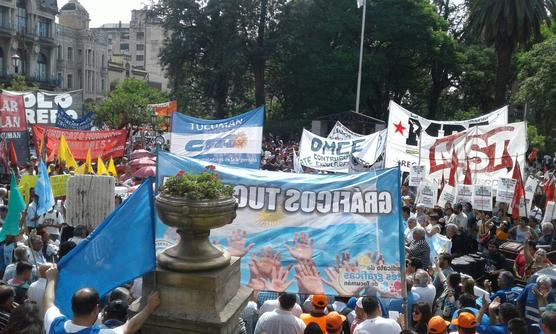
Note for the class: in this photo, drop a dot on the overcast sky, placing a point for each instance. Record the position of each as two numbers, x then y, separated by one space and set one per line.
108 11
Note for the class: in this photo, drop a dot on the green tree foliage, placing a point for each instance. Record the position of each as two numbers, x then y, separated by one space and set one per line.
537 74
127 104
506 24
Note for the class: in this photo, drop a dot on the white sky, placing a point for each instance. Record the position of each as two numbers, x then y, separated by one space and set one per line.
108 11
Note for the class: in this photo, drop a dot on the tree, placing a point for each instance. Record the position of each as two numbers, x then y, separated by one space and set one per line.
505 24
127 104
537 74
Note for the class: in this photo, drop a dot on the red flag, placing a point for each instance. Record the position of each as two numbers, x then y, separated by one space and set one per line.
519 194
549 190
13 154
4 157
453 169
533 155
468 180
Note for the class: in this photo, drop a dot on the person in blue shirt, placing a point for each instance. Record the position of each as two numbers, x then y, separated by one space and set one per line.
467 304
506 282
534 296
548 324
499 313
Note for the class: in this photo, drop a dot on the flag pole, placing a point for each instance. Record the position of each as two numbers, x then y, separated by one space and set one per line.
358 98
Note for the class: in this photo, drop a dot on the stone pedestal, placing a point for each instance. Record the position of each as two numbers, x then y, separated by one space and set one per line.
198 302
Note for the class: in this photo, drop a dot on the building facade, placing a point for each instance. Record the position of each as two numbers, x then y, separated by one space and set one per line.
140 41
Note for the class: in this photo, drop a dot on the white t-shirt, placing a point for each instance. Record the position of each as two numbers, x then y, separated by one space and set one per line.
36 291
53 312
273 304
460 220
378 325
52 218
426 294
279 322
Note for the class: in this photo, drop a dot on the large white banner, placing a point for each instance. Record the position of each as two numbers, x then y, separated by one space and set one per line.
404 128
335 155
491 152
341 132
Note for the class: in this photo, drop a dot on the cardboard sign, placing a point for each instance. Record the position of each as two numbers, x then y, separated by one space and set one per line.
448 195
57 182
530 188
464 193
506 189
482 197
428 194
416 175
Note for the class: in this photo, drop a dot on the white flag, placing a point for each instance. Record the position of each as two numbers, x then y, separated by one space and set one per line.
360 3
297 168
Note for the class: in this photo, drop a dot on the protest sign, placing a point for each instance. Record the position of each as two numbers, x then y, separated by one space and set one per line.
165 109
341 132
234 141
550 212
489 151
334 155
448 195
106 144
506 188
13 125
464 193
57 182
281 210
530 188
405 128
65 121
416 175
482 197
428 194
41 107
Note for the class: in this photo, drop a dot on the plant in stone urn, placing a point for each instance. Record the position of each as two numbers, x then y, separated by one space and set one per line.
194 204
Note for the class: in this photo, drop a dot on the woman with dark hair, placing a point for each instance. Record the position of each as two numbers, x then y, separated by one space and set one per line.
313 328
25 319
421 315
447 303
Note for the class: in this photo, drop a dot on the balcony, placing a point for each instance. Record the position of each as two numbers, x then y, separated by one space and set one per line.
6 29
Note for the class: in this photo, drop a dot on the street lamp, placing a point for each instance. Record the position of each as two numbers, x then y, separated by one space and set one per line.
16 60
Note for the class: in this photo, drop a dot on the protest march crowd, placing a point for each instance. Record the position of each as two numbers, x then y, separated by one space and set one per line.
467 269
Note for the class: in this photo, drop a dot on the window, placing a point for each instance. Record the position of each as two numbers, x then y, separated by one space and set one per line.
44 27
127 70
139 58
70 53
60 79
4 17
80 78
21 15
140 35
103 85
140 47
41 63
124 35
79 54
124 46
2 61
60 52
70 81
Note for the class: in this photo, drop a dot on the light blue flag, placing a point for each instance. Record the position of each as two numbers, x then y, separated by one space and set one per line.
119 250
44 190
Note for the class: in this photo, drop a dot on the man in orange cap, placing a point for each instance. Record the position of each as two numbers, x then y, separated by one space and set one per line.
319 303
437 325
334 323
466 323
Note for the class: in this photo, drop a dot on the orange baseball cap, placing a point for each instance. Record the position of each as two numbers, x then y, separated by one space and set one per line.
320 301
437 325
465 320
334 320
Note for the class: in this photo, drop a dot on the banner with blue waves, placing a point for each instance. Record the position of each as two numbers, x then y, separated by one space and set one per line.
65 121
234 141
308 233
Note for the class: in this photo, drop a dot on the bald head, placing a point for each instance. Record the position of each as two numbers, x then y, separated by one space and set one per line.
84 302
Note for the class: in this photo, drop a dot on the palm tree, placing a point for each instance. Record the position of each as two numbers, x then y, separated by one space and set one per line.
505 24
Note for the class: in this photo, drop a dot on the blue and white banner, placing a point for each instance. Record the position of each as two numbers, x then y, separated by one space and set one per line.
65 121
308 233
234 141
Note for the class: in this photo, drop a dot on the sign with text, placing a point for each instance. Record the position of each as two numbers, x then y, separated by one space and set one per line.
416 175
428 194
13 125
506 189
448 195
41 107
482 197
464 193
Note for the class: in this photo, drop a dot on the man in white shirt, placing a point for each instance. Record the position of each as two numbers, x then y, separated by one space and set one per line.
408 232
36 289
273 304
375 323
281 320
36 257
458 218
423 287
31 218
53 221
85 307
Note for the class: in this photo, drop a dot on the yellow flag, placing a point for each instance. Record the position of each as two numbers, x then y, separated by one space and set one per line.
101 167
112 168
64 153
88 163
80 169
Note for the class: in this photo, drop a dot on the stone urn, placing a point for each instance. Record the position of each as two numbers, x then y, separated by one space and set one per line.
193 220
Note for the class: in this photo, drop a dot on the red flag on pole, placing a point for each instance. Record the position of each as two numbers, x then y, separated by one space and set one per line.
468 180
519 194
454 169
13 154
533 155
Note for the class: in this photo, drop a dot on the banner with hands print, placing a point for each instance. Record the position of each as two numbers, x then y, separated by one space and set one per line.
307 233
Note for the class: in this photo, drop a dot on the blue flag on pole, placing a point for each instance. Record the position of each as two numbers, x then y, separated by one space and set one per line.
44 190
65 121
119 250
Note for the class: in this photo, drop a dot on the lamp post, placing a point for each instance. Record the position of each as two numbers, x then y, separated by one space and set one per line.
16 59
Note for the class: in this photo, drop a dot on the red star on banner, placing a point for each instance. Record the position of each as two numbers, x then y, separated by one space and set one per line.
399 127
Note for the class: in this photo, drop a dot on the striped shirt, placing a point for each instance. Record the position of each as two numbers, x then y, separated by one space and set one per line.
4 319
